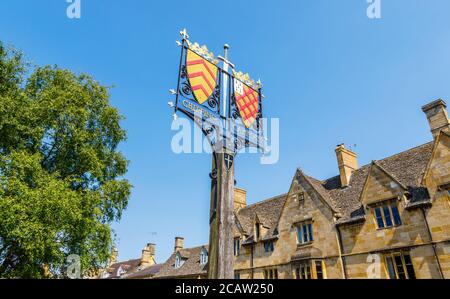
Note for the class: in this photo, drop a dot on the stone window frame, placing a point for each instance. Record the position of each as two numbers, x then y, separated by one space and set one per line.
309 222
407 268
203 257
311 265
257 233
270 273
179 261
237 246
382 205
301 196
269 248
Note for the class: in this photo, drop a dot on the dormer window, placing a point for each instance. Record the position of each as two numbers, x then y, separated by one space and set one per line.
179 261
203 257
121 271
269 246
237 246
257 231
387 215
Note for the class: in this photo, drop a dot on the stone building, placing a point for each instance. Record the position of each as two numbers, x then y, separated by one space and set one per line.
186 263
140 268
387 219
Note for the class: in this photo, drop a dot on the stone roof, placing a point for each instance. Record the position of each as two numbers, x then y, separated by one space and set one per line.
268 213
190 267
407 168
129 266
145 273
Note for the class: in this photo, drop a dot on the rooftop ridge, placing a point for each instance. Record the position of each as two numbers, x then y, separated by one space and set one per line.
264 201
193 248
379 160
127 261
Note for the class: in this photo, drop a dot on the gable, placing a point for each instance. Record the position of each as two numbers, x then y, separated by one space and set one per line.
438 169
380 186
303 200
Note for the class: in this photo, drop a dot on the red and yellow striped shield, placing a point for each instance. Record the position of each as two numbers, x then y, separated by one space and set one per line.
247 100
202 76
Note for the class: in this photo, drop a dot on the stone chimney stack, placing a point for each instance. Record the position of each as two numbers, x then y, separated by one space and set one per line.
179 242
114 255
347 162
436 113
240 199
148 255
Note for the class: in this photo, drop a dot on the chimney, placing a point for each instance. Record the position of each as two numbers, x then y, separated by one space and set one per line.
347 162
179 241
436 113
240 199
148 255
114 255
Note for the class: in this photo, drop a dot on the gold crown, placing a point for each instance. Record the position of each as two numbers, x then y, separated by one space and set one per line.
247 80
202 51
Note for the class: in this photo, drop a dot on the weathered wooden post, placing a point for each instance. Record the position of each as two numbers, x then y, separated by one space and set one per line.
220 261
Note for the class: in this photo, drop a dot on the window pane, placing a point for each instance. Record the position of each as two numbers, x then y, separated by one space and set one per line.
299 235
399 267
237 244
308 271
390 267
396 215
297 273
379 218
310 232
305 234
409 266
387 216
276 274
319 270
303 271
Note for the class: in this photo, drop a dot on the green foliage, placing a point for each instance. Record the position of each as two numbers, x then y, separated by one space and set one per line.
60 169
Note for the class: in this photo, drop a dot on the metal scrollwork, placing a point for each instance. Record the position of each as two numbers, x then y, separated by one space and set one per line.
214 100
186 90
234 109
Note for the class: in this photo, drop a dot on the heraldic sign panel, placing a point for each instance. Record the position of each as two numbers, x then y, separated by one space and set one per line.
225 104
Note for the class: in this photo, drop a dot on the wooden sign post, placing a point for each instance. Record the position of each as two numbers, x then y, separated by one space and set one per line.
221 257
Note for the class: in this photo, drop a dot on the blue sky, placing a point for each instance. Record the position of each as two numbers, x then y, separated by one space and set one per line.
330 74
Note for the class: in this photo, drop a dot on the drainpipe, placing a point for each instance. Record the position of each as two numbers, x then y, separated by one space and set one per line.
339 239
432 245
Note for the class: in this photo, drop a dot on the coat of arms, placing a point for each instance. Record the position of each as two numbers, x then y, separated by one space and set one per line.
247 101
202 76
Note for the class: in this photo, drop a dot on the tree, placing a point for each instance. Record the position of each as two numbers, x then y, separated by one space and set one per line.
61 173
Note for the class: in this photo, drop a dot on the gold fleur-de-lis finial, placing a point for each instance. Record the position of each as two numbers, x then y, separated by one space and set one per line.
184 34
